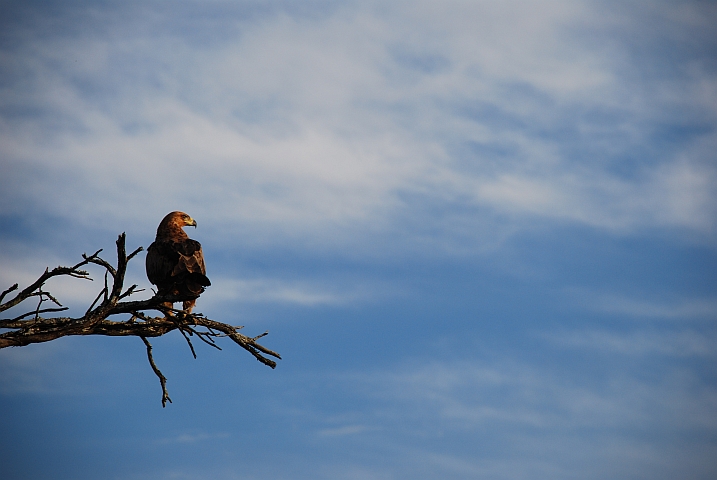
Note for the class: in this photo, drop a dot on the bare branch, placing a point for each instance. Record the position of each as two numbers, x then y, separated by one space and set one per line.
130 291
162 378
36 312
53 299
206 337
94 258
96 320
189 341
103 291
131 255
2 295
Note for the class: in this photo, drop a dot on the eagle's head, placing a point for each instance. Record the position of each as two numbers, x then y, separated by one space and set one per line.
179 219
173 223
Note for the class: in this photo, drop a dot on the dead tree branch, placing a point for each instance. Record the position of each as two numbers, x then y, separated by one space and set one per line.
162 378
30 327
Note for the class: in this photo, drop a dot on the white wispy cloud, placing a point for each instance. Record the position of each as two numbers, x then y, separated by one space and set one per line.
322 126
343 431
301 292
192 438
685 343
672 307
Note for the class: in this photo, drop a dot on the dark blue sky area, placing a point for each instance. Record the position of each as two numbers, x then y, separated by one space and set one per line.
345 394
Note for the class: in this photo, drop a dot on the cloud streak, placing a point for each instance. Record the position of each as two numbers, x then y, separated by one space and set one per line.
676 344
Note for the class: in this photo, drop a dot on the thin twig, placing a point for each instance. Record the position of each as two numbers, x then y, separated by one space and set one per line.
36 312
131 255
162 378
12 288
39 303
54 300
103 291
208 340
130 291
189 341
259 336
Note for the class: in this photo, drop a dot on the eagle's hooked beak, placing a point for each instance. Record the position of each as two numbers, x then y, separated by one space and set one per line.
192 223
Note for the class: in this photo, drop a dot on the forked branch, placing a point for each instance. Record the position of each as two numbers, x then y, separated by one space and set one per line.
31 327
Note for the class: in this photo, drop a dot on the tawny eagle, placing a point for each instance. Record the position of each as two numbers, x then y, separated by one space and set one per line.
175 263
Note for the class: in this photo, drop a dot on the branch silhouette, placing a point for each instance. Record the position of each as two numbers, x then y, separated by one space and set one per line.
31 327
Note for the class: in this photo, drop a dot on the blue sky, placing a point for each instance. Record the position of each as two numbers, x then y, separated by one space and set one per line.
482 235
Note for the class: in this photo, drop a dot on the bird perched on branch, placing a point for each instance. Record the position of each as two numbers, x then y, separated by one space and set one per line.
175 263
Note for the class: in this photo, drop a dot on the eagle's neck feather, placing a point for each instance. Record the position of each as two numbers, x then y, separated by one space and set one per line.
171 232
